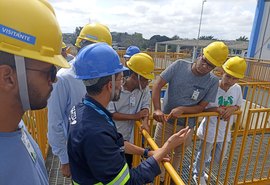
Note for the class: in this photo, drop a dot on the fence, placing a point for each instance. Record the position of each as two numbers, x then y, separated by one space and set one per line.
37 125
246 160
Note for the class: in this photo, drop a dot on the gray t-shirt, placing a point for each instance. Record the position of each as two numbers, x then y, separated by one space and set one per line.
129 103
187 89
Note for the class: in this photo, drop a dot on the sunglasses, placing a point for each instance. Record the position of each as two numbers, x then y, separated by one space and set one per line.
208 64
51 72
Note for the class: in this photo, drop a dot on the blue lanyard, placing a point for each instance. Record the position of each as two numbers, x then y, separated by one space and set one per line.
101 112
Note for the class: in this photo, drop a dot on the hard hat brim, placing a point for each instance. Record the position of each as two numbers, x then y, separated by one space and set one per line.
236 75
57 60
127 56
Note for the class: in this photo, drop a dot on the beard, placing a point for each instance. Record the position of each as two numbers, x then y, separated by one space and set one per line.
37 100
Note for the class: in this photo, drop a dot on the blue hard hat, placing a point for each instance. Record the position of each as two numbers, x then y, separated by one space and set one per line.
131 50
96 61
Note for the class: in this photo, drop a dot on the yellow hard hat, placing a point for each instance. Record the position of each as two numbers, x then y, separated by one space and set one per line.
142 64
235 67
63 45
216 53
78 41
37 37
95 32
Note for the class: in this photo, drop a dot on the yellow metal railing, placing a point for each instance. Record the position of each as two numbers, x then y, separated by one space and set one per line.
37 125
138 140
256 159
258 70
256 95
261 152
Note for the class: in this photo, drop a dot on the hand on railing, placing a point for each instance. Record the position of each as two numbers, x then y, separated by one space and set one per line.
159 116
145 125
226 112
165 159
175 113
141 114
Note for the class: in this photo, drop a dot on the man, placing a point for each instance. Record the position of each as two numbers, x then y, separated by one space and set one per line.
64 53
131 50
28 55
96 150
68 92
134 103
191 88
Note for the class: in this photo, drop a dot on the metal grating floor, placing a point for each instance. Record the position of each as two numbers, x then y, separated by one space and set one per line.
56 178
54 171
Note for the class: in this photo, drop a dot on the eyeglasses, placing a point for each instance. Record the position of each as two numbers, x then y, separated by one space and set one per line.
122 79
51 73
207 64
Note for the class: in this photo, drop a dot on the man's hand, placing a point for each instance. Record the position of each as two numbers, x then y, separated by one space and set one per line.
142 114
159 116
178 138
228 112
165 159
65 170
145 125
175 113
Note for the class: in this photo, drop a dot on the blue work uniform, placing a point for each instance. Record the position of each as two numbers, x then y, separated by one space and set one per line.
96 149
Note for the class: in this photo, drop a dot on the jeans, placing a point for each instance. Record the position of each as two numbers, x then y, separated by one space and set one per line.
207 156
178 150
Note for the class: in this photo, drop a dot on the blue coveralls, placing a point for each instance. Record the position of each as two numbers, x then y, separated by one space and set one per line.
96 149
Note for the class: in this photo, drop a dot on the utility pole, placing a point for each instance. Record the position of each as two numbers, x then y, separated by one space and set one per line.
199 31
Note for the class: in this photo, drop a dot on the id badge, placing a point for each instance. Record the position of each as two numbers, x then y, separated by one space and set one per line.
132 101
28 146
195 95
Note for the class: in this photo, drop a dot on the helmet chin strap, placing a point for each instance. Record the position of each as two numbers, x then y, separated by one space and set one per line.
140 86
22 82
113 87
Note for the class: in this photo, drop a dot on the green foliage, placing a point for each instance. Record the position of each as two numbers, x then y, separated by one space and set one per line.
242 38
210 37
125 39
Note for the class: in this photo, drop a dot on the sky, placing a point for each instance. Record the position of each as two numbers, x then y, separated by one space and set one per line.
223 19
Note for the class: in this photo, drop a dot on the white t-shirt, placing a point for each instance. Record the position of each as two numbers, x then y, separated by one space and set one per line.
230 98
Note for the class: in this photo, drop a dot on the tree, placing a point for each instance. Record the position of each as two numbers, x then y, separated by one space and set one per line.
242 38
210 37
175 37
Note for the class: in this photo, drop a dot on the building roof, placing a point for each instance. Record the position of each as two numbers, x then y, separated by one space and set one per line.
232 44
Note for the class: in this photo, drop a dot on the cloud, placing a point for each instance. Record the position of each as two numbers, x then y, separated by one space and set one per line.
224 19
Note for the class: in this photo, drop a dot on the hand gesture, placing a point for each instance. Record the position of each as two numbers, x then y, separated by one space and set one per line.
178 138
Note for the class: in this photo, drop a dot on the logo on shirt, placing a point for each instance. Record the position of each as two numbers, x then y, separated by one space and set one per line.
72 116
225 102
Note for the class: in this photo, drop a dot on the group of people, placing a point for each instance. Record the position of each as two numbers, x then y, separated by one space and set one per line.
94 100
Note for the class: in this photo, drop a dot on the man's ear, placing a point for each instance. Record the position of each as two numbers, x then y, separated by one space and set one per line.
108 86
7 77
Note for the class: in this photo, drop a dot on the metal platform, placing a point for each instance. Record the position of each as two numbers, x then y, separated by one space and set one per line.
54 171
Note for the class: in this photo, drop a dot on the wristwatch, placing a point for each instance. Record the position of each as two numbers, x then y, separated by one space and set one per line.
145 152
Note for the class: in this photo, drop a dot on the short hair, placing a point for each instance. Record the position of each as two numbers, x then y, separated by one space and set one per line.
96 89
7 59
